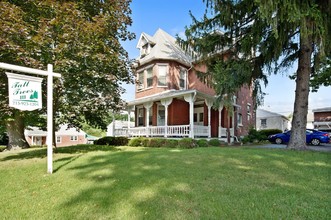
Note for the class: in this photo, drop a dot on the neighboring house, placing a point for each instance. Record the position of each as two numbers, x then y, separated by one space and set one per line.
63 137
271 120
322 119
171 101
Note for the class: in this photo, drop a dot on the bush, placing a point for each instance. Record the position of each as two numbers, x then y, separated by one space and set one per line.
258 136
171 143
156 142
186 143
114 141
267 132
138 142
202 143
214 142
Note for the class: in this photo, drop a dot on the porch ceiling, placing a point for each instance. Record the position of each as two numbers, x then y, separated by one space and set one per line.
170 94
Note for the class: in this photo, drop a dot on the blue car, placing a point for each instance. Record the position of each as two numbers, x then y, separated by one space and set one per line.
313 137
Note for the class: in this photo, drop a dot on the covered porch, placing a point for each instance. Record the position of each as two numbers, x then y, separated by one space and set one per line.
177 114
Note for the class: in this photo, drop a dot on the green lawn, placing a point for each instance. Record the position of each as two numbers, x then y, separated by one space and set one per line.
91 182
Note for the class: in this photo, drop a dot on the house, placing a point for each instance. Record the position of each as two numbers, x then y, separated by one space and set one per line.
64 136
271 120
171 101
322 119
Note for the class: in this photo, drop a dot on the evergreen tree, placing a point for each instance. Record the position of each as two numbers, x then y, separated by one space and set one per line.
244 41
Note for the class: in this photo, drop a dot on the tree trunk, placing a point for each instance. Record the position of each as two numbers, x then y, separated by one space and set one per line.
299 121
15 129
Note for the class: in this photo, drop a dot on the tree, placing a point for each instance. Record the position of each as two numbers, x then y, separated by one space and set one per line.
264 37
82 39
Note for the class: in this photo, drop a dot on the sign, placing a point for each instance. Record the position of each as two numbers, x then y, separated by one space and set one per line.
24 92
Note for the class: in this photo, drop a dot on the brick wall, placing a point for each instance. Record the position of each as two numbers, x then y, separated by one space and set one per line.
322 116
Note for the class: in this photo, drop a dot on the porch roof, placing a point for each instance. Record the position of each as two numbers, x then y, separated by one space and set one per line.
170 94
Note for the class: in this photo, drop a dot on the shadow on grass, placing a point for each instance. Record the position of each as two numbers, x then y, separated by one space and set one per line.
65 161
42 152
195 184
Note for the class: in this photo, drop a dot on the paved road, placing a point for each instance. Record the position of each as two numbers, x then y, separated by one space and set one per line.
322 147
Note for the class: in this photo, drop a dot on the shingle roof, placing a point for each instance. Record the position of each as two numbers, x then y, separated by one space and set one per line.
165 48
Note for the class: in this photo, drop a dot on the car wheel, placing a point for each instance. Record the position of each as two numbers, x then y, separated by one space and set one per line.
278 141
315 142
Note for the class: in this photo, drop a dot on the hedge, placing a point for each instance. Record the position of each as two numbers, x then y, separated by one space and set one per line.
114 141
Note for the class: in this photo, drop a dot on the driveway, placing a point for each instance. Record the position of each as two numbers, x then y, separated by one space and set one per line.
321 148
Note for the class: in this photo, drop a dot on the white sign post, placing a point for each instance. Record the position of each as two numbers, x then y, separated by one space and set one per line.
32 96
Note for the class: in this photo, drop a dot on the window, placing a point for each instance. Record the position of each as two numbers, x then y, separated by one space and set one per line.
149 75
201 117
182 78
161 115
263 123
240 119
58 139
73 138
162 76
249 112
140 80
141 117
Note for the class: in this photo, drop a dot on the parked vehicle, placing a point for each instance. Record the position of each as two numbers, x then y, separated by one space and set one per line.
313 137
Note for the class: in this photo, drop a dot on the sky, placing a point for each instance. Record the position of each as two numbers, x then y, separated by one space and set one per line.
173 15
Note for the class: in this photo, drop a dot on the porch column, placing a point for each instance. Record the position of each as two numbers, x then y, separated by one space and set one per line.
147 106
220 120
129 108
209 104
190 98
166 103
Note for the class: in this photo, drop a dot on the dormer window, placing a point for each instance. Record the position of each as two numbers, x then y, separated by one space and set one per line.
144 50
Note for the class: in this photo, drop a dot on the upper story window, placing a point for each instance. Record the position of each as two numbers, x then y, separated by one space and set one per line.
162 75
149 77
182 78
249 115
240 119
140 80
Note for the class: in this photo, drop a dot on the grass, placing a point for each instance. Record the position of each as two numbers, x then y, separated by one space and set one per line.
102 182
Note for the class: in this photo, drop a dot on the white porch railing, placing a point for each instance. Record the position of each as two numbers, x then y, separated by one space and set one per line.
223 132
201 131
160 131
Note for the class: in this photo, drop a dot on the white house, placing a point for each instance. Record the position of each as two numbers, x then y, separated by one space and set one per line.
271 120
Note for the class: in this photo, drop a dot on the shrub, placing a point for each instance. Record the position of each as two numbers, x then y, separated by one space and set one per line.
202 143
266 132
171 143
114 141
138 142
156 142
214 142
186 143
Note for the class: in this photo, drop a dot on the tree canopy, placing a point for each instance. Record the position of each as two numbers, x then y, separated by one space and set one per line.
82 40
266 37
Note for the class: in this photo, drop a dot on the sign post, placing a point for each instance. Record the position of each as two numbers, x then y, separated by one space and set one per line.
28 96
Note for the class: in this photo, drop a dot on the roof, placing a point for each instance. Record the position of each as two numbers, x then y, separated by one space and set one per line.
168 94
64 130
326 109
165 48
261 113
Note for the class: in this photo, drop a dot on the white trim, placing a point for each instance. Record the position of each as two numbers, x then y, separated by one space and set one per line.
166 75
56 138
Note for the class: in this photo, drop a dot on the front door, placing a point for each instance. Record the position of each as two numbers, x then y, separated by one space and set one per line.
198 116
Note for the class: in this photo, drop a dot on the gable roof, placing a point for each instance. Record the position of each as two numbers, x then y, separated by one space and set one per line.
165 48
261 113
